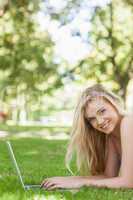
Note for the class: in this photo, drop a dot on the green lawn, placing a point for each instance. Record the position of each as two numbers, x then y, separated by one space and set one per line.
20 128
39 158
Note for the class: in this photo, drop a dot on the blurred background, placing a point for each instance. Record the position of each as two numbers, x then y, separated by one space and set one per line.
50 50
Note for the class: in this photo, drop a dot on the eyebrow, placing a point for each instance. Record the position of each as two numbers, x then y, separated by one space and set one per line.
97 112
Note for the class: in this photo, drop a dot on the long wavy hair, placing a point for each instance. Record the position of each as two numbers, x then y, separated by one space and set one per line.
87 143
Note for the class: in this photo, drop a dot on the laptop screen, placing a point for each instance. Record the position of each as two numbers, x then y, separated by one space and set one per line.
12 156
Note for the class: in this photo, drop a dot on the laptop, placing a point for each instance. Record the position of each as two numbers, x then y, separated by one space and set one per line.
12 156
27 186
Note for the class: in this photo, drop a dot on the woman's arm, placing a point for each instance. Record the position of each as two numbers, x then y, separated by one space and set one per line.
78 182
94 177
68 182
116 182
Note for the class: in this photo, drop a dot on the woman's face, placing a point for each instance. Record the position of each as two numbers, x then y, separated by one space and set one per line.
102 115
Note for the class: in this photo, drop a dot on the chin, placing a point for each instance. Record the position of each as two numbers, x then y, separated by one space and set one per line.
109 130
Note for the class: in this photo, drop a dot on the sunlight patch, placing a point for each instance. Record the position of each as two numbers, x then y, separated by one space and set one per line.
49 197
32 153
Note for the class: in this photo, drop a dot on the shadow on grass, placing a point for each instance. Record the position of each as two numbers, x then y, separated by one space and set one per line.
46 132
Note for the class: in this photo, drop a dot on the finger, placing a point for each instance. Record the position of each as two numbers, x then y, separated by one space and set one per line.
45 185
43 181
46 182
48 185
42 184
53 187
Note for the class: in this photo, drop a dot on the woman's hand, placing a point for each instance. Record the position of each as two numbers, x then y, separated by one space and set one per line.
69 182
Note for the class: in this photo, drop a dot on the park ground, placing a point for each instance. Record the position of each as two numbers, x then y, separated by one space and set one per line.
40 156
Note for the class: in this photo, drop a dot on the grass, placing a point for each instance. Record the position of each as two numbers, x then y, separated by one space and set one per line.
38 159
21 128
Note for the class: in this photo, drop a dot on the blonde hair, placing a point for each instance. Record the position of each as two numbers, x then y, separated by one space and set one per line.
86 142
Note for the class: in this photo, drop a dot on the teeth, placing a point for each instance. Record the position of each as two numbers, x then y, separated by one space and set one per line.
105 125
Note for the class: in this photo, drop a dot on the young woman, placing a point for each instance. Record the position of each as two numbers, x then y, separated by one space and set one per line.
102 137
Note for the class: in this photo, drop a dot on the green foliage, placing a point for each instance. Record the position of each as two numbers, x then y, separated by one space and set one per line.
26 54
111 59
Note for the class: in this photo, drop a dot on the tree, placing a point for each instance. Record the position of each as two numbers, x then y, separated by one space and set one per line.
111 58
26 54
110 39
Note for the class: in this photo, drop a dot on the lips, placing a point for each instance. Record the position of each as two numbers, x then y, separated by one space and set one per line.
105 125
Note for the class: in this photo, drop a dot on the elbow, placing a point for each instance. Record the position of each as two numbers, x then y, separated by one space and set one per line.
130 184
127 183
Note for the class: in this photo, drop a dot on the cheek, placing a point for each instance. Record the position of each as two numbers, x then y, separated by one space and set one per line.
115 115
111 113
94 124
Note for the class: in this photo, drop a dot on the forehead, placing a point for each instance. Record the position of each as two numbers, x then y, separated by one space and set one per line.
95 105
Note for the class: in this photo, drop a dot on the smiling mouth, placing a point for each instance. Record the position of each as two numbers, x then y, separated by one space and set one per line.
105 125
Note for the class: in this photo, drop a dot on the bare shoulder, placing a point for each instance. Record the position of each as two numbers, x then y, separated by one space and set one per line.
127 124
127 149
